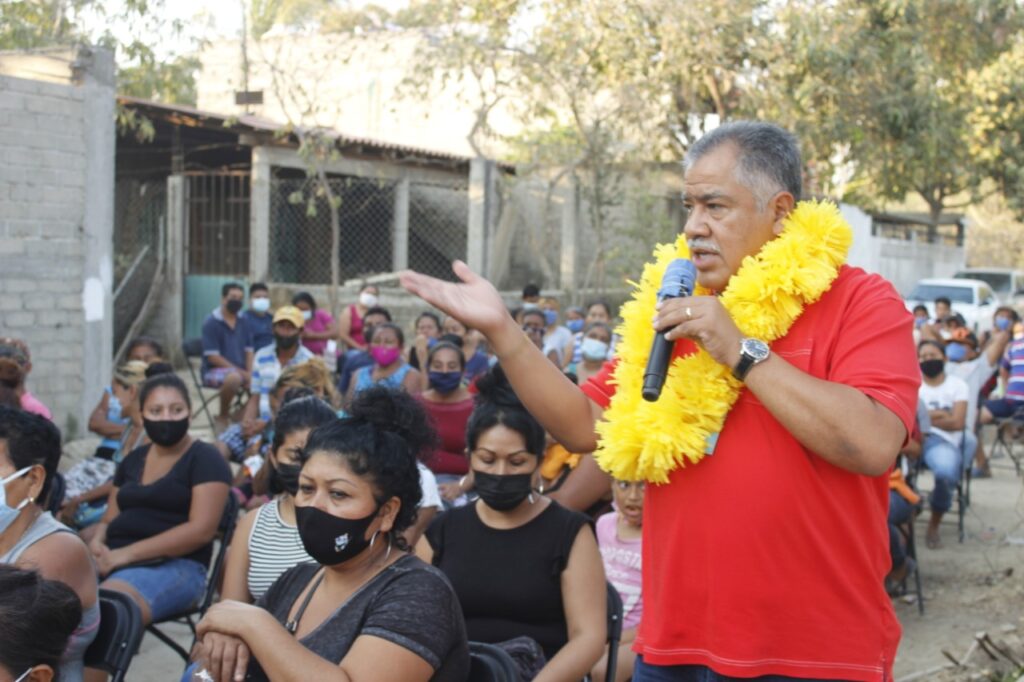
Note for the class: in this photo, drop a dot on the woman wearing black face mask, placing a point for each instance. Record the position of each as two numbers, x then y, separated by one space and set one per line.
520 563
155 540
272 543
367 610
449 405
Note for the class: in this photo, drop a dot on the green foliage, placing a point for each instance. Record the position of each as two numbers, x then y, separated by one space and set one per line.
173 81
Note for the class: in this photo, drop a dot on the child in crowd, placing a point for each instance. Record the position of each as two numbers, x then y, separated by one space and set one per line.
106 419
618 534
16 351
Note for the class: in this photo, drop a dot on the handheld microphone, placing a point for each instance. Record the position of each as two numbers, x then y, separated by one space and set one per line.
677 282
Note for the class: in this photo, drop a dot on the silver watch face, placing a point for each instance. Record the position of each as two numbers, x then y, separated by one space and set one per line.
755 348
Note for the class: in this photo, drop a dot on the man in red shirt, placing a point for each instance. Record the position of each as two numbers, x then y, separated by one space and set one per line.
767 559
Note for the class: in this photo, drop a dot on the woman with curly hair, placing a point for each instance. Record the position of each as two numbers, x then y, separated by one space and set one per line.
367 609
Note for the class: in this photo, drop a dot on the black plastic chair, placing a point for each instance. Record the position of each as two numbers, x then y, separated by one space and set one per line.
193 350
489 663
615 617
190 617
117 640
58 486
910 537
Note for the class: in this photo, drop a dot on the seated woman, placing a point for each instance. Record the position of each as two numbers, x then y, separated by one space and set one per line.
90 481
520 563
473 348
946 398
428 331
37 618
449 404
106 419
30 538
367 610
320 325
155 541
271 540
389 367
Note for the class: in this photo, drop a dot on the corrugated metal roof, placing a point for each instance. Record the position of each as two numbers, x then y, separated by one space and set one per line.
260 124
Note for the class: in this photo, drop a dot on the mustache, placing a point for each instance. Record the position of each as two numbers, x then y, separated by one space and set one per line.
699 244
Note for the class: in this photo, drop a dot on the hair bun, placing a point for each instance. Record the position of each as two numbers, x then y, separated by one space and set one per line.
397 412
158 368
494 388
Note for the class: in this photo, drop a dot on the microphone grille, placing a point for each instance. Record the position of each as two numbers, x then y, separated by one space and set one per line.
678 279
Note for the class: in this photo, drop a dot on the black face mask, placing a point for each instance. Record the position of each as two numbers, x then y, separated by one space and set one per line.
932 368
286 342
284 478
233 306
330 539
502 493
166 432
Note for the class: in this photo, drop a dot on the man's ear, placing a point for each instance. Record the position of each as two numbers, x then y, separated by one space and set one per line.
780 206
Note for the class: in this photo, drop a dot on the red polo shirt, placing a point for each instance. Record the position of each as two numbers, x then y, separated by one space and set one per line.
764 559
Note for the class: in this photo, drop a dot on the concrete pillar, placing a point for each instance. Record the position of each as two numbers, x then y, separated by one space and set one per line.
97 81
173 303
400 237
259 216
568 271
482 210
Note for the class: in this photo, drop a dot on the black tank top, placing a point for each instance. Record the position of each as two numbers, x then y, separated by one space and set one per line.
508 581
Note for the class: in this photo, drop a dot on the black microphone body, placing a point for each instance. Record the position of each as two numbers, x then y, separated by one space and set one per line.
677 282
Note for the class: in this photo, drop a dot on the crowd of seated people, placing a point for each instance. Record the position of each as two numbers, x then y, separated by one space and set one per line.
429 450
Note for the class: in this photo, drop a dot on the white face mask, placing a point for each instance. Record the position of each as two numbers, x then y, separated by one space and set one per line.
307 315
367 300
594 349
260 305
7 513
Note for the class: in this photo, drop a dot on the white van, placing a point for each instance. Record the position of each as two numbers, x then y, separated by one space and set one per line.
1004 282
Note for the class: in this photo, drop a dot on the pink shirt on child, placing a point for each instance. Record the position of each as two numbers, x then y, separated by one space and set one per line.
622 566
30 403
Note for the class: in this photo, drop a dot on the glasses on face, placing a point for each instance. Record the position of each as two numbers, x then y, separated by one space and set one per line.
626 486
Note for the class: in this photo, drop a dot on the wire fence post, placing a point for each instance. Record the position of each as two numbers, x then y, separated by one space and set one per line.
400 255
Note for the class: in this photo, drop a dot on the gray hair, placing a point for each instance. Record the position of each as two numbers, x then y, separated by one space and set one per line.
769 157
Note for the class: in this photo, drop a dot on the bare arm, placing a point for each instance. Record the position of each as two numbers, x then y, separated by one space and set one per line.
284 658
413 382
236 566
583 596
585 486
63 557
98 422
950 421
996 347
218 360
345 330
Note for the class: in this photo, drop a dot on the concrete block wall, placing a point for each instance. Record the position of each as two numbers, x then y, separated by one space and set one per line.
56 205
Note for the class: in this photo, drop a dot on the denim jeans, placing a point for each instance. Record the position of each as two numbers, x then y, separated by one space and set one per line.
643 672
947 465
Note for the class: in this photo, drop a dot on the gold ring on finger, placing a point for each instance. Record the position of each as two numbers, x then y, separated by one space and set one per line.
689 314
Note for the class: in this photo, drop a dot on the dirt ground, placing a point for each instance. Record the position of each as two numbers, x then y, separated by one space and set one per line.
973 587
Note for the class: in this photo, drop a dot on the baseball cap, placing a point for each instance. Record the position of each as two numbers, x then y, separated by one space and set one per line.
289 313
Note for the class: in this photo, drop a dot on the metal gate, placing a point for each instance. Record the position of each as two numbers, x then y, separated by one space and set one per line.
216 241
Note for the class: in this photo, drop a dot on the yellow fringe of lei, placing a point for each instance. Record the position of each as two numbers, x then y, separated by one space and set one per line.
646 441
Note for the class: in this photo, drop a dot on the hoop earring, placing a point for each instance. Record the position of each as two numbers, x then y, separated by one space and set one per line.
388 553
531 497
373 538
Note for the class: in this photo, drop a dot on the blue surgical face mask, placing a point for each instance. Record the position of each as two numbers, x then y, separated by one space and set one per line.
7 513
550 317
920 321
575 326
1003 323
956 352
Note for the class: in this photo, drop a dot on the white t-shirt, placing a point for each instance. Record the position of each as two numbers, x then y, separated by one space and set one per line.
974 373
943 397
428 487
557 340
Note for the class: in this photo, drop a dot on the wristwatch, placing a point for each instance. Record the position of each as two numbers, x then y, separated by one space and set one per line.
752 352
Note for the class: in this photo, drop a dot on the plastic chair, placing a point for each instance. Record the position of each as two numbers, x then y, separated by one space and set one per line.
910 537
489 663
117 640
193 350
190 617
615 617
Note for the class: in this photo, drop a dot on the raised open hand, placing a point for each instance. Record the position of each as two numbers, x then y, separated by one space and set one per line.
474 302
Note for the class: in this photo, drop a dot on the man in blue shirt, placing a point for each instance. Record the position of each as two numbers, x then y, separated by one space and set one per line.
227 349
258 316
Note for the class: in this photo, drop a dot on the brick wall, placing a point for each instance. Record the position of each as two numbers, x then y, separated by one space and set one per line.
52 191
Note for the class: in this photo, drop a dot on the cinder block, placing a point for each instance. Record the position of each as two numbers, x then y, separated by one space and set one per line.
40 301
53 318
11 100
18 320
70 302
10 303
18 286
11 247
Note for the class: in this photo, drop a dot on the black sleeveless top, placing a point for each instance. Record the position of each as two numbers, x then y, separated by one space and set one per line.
508 581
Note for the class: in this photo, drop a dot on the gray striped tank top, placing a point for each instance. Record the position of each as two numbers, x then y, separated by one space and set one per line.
274 547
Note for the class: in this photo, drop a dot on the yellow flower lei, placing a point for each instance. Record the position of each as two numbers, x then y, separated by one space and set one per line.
647 441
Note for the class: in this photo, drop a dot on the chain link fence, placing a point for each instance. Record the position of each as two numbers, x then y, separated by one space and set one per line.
300 227
140 211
